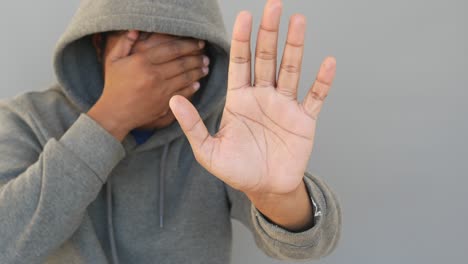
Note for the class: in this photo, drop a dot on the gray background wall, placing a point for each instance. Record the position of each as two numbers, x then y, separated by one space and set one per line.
391 139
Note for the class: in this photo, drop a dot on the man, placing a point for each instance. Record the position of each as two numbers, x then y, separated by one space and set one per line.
238 149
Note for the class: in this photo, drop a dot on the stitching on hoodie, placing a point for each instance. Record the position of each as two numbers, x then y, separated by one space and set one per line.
90 20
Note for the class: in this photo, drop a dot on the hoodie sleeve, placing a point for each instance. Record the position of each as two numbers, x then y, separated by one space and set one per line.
282 244
45 190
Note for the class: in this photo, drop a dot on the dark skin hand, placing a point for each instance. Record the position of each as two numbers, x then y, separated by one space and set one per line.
142 71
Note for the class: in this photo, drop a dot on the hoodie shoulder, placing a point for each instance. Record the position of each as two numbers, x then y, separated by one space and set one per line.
47 113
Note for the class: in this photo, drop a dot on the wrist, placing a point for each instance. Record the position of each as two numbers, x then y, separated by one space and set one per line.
293 211
109 122
271 200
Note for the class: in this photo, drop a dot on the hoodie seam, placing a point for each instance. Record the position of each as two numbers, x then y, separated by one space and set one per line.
79 158
90 20
41 129
31 127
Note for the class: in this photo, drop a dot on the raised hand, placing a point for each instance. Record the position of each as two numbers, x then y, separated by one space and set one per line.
266 136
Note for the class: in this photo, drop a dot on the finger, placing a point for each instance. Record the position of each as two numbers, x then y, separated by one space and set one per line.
188 90
149 40
239 66
290 70
314 99
173 49
123 46
197 52
267 42
187 78
183 64
192 125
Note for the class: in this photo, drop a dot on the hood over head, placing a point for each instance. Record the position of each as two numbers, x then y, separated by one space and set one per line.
79 72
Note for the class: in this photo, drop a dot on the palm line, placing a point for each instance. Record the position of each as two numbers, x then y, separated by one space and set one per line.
259 149
263 112
263 125
278 125
248 127
256 142
266 151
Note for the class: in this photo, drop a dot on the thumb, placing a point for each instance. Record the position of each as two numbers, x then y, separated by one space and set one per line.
193 127
124 45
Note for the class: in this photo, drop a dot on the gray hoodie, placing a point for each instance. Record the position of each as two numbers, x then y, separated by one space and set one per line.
72 193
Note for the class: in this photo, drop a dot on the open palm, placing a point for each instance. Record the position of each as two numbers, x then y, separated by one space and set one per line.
266 136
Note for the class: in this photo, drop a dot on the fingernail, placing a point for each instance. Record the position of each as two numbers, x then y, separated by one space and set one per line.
201 44
132 35
205 70
196 86
329 64
206 60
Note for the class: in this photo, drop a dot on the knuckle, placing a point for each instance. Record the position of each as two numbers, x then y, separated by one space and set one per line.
240 59
199 73
141 85
188 76
175 48
153 55
294 45
320 90
165 112
150 78
139 59
183 63
290 68
316 96
153 77
201 60
196 61
145 82
266 54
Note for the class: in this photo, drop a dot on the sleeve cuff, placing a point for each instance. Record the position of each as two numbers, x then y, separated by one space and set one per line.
280 234
94 145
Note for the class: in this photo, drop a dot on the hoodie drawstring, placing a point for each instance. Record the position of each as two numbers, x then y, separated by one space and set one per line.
162 172
110 224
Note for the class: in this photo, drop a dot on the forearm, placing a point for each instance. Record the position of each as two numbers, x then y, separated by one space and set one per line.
48 198
293 211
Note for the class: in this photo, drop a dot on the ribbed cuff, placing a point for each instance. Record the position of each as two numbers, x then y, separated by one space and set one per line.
282 235
94 145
